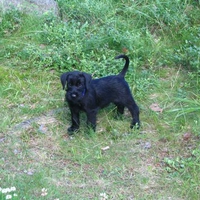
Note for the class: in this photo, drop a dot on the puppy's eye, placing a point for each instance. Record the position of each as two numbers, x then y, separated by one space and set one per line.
70 84
78 84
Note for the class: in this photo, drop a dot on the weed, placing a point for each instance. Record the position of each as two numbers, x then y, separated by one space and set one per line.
8 193
188 52
187 106
10 22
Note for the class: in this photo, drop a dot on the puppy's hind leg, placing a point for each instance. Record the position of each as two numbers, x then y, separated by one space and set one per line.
134 110
120 109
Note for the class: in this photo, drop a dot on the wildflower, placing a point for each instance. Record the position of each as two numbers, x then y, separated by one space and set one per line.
13 189
5 190
44 192
103 196
8 196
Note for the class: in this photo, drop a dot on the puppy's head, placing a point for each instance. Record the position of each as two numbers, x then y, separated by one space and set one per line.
76 84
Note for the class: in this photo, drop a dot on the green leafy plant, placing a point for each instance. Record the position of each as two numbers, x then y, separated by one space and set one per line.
10 21
181 165
187 106
188 52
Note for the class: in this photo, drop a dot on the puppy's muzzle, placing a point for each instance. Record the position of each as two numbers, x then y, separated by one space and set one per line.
74 95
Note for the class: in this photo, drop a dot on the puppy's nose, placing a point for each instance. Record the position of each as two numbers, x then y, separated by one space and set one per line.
74 95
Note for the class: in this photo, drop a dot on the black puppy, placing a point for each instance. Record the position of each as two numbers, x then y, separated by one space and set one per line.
89 95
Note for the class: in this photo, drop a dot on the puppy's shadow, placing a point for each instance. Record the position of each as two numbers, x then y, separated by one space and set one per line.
111 112
106 117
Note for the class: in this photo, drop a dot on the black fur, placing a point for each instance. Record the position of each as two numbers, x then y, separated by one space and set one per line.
89 95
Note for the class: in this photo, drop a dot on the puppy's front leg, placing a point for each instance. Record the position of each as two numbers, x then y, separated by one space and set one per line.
91 119
75 120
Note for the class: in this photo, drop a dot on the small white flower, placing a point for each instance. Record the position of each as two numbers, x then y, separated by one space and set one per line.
5 190
13 189
15 195
8 196
44 192
103 196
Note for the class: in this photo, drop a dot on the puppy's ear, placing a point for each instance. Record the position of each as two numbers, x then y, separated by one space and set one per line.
88 79
63 79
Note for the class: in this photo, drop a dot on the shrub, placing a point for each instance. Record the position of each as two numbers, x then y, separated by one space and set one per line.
10 21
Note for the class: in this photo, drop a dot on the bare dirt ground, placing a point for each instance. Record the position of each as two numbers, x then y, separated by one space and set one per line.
41 121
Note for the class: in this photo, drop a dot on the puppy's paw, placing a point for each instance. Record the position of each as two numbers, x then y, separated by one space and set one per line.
135 125
71 130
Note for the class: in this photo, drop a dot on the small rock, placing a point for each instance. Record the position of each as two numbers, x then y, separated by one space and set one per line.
15 151
29 172
147 145
43 129
2 139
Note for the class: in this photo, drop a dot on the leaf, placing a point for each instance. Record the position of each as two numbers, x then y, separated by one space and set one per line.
105 148
187 136
155 107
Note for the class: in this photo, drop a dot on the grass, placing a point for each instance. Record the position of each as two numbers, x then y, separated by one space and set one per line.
159 161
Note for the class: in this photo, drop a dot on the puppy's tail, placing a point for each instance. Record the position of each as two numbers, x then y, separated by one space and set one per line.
124 70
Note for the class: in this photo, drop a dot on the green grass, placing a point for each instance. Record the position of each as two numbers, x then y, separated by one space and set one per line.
159 161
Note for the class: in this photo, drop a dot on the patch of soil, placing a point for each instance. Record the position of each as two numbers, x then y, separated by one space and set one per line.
42 121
